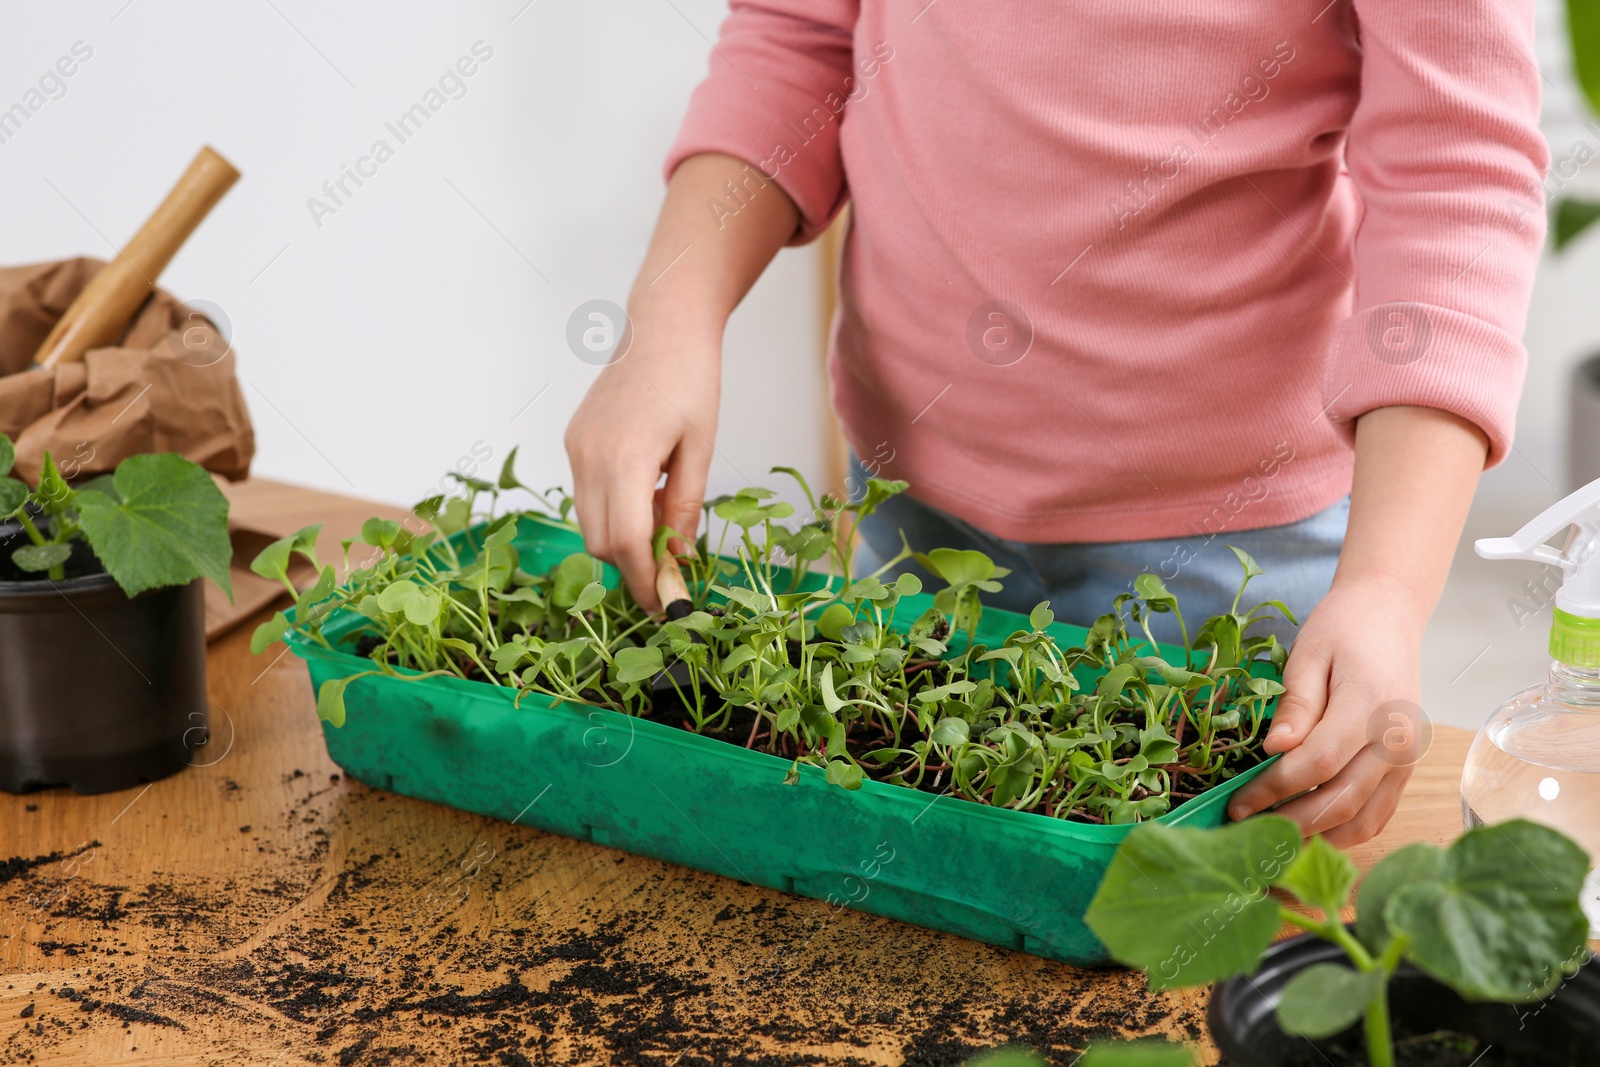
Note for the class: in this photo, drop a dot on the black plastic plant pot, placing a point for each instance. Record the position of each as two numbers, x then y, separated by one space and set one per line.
97 691
1428 1020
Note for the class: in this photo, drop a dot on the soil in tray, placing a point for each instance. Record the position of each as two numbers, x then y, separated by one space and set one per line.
745 729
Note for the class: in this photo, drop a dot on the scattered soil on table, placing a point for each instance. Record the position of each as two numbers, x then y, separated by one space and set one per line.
402 933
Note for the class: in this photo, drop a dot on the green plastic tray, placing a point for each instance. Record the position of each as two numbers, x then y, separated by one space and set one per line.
1008 878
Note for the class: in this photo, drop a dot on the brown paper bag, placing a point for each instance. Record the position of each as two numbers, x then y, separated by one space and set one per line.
169 386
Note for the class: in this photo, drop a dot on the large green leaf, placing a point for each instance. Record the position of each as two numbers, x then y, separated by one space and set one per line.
1325 998
1149 1052
169 528
12 496
1504 922
1321 876
1416 864
1191 906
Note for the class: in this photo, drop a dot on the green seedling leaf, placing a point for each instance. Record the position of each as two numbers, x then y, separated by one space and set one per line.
170 527
907 584
1417 864
959 566
13 494
571 576
588 599
1263 687
638 664
1192 906
272 562
1506 908
424 609
1148 1052
1325 998
37 558
878 490
501 533
397 595
1156 745
1252 569
326 581
508 476
944 692
950 731
1041 616
1153 591
271 630
380 533
453 517
844 773
330 700
8 455
833 620
1320 876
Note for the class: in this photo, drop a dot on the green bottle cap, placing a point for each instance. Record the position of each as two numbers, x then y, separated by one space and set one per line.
1575 640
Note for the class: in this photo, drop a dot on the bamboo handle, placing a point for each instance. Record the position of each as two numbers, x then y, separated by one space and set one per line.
101 312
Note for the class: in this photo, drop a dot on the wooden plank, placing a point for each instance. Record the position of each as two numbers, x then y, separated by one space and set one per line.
261 909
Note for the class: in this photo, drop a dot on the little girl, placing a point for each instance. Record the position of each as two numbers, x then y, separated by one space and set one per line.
1125 285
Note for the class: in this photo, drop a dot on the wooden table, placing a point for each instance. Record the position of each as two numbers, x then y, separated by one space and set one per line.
261 909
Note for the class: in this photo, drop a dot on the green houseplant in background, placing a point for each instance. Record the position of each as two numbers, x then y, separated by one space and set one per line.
1495 918
1571 216
102 623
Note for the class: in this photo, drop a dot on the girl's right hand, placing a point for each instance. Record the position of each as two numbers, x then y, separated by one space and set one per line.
654 410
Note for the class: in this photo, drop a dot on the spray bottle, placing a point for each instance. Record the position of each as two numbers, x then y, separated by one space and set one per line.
1538 756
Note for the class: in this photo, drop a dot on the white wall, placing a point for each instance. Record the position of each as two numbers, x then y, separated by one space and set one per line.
380 347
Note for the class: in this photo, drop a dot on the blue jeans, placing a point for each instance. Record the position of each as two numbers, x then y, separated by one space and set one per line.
1081 580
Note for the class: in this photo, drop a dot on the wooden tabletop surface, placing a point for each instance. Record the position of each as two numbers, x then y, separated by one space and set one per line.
259 908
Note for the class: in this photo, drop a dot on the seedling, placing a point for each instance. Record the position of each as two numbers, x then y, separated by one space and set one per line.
1496 916
785 653
158 520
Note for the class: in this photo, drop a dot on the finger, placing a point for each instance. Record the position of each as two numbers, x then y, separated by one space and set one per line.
1375 814
629 524
589 501
1305 683
1337 800
685 490
1337 737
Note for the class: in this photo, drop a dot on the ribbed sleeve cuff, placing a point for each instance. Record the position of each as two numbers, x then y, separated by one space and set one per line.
1423 355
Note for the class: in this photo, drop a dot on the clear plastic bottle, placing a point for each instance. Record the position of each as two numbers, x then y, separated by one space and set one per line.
1538 758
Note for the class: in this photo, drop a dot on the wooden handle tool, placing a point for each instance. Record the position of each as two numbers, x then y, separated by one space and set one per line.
102 311
670 587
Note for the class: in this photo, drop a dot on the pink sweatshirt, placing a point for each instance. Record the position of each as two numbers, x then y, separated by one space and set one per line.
1122 271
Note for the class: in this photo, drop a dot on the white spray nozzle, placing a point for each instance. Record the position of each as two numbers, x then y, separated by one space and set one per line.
1578 558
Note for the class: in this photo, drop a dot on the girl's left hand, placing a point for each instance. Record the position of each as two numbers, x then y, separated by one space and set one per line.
1349 724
